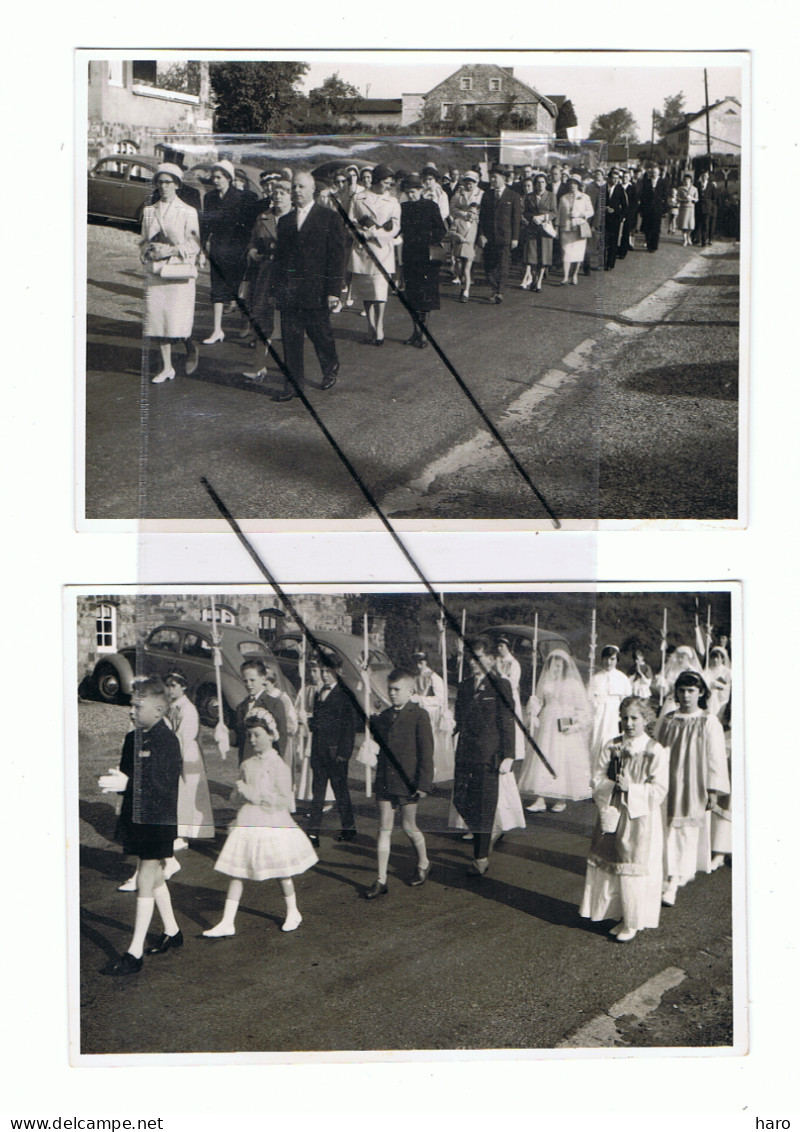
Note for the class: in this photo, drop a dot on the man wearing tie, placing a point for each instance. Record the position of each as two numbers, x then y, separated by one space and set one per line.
333 734
254 674
485 729
706 209
652 206
306 282
498 229
616 209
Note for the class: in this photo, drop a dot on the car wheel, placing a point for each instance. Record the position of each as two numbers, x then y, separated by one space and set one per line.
107 683
207 704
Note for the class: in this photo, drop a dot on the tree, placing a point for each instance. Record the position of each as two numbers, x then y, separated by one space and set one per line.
614 127
254 98
334 100
566 119
671 115
183 77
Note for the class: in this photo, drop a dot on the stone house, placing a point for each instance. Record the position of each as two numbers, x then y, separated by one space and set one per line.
481 88
687 140
107 623
129 112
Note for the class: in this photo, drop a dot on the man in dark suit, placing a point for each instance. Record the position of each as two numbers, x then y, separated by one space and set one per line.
706 209
616 209
631 214
405 774
333 732
498 229
255 675
485 729
306 281
652 206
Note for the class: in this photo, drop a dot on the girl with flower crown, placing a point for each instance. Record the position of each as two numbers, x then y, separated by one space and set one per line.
265 842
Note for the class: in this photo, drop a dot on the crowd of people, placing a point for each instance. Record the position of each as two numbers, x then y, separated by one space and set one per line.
311 248
649 750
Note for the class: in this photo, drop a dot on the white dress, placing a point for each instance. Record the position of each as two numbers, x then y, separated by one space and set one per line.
169 303
265 842
369 282
560 722
572 209
508 666
195 815
430 693
698 763
624 871
607 689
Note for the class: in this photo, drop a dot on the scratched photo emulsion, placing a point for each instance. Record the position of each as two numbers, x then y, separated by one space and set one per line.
439 289
508 818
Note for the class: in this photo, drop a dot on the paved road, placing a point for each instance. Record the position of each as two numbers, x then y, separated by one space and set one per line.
501 961
394 412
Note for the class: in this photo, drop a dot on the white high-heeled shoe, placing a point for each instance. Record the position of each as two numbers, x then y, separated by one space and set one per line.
220 931
218 337
165 375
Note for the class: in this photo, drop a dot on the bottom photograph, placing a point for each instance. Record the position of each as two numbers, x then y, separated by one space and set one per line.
361 821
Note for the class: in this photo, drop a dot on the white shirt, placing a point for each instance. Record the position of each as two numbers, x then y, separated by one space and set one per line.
302 213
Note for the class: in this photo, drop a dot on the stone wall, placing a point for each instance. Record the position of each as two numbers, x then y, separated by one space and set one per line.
512 93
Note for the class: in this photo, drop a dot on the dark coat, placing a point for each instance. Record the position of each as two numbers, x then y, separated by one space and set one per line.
707 199
308 264
405 739
153 763
653 198
616 206
333 725
276 709
485 722
499 221
227 220
632 193
421 225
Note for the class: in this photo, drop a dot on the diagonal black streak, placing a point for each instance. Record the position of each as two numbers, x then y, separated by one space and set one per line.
422 328
443 611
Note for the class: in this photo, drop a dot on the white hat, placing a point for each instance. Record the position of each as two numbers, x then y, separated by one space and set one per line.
173 170
226 167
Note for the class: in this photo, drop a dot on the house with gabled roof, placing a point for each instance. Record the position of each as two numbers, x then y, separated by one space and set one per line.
688 139
485 90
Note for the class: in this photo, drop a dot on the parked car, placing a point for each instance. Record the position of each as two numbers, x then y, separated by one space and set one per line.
521 643
187 645
348 650
120 186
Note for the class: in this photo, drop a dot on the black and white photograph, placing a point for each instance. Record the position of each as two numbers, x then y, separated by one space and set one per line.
351 820
437 289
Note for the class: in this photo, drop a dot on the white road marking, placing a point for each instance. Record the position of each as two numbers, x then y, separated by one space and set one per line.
602 1030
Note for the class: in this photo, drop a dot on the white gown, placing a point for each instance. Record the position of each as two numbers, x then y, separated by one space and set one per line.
195 815
607 689
431 694
509 668
560 722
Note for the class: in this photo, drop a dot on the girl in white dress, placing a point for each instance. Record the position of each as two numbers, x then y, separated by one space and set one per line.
195 816
624 871
698 773
430 693
560 721
508 666
607 689
683 659
265 842
718 678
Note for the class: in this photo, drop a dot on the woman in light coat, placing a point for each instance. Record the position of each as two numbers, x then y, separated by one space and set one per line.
376 215
574 213
170 245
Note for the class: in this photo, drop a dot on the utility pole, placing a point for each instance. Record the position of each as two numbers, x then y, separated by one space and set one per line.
708 122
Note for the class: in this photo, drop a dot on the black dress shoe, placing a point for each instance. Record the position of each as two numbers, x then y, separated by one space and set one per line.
329 378
283 395
378 341
347 835
377 889
192 360
412 341
419 877
166 942
314 839
127 965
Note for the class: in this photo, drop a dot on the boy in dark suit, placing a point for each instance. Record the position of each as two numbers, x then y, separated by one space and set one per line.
485 729
333 733
405 774
498 229
306 281
254 674
147 778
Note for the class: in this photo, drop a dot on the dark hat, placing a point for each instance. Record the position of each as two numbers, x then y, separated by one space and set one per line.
411 181
419 655
498 168
429 171
381 173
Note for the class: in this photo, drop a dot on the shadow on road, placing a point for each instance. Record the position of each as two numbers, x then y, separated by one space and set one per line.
700 379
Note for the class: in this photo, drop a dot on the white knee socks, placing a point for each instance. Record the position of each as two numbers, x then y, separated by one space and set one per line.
164 905
144 914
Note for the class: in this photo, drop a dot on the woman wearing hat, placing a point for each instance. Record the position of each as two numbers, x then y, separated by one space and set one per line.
376 216
432 190
698 773
225 230
261 253
169 246
539 208
465 206
422 227
574 213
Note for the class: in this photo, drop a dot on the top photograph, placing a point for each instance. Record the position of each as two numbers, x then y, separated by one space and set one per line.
424 290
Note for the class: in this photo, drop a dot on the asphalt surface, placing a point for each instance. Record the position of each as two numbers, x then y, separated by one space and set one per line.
607 446
499 962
